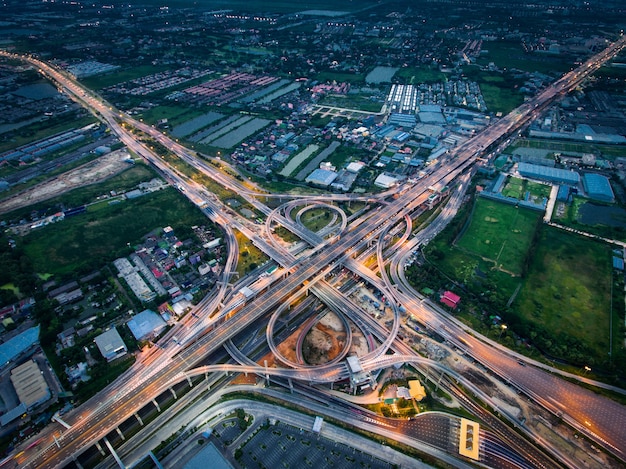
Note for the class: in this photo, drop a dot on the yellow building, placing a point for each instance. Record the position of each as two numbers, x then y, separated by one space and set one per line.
416 390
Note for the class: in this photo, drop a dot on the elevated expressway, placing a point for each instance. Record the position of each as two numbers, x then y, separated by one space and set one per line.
96 418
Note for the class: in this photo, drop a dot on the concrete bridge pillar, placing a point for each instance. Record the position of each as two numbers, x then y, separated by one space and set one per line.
119 432
138 419
173 393
100 448
156 404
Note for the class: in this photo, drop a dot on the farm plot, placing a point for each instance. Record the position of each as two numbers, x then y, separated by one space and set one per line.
297 159
221 130
265 91
206 132
278 93
240 133
381 75
189 127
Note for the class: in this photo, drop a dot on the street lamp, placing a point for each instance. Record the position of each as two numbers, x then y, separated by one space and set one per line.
586 370
503 328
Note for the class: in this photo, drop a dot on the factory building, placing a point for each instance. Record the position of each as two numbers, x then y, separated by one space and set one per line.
598 187
544 173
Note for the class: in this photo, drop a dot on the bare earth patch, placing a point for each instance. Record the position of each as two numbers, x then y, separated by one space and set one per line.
89 173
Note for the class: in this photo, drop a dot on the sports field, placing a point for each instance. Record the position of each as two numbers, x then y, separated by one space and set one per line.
517 188
500 234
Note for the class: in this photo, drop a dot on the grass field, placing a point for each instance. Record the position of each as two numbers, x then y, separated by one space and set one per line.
316 218
123 181
538 190
340 77
500 99
250 257
513 188
509 54
120 76
175 115
607 151
276 5
44 129
416 75
517 189
86 242
568 289
360 102
500 233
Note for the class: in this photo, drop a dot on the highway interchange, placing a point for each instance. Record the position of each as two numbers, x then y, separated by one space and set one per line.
597 417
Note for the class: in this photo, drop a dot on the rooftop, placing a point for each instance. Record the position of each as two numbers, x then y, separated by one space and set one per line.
18 344
145 323
110 344
29 383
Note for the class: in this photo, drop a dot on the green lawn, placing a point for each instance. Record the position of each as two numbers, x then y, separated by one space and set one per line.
510 54
120 76
358 102
86 242
340 77
517 188
416 75
607 151
500 234
499 99
174 114
275 5
568 289
316 218
250 257
513 188
538 190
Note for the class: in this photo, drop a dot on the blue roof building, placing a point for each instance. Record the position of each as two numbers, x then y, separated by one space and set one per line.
145 324
321 177
598 187
544 173
12 348
563 194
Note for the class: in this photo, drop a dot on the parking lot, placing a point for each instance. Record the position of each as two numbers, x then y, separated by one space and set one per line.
284 446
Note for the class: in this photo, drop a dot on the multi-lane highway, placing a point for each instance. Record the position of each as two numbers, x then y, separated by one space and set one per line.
600 418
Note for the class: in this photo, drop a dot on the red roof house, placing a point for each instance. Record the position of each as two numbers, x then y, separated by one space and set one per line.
450 299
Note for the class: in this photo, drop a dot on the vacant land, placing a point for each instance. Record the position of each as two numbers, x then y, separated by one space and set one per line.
607 151
119 76
417 75
510 54
88 173
86 242
316 219
500 234
568 289
124 181
250 257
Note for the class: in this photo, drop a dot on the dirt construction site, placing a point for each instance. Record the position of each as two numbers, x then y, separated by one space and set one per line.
88 173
